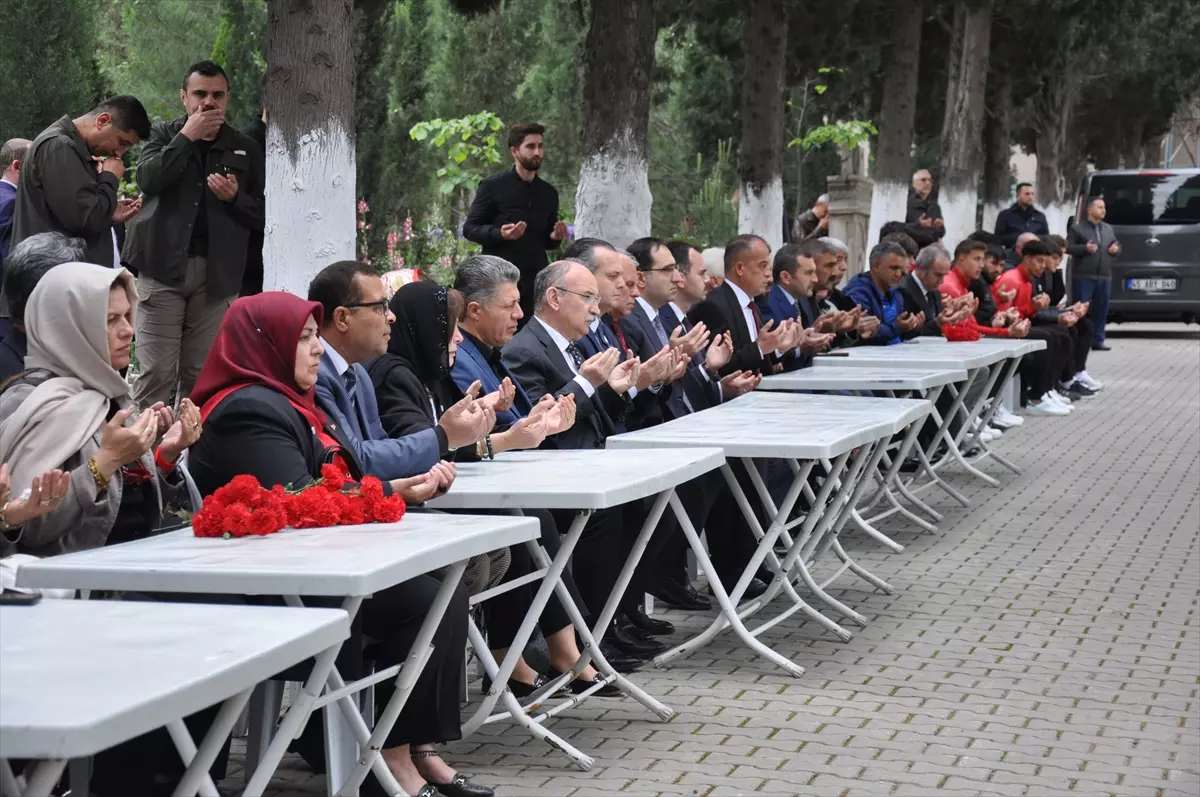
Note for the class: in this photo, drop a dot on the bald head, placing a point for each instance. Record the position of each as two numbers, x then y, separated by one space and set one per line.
1023 239
566 298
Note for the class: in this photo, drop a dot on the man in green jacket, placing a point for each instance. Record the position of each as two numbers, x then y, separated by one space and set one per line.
202 181
70 175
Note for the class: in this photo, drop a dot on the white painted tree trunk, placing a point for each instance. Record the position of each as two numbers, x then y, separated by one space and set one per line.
889 202
958 212
613 201
990 211
761 213
1058 216
310 206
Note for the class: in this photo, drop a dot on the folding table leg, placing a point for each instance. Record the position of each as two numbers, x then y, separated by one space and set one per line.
298 713
504 670
1004 377
728 608
196 778
960 395
370 757
45 776
265 703
10 786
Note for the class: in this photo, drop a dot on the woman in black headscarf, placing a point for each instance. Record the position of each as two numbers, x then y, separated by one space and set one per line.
413 388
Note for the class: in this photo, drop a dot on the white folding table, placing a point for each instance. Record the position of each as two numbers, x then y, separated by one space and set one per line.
583 481
78 677
914 382
804 430
350 562
977 358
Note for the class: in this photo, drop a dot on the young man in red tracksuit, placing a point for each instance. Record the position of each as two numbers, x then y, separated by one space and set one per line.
1044 399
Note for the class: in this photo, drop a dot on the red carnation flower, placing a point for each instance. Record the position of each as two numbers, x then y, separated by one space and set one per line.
371 489
332 478
354 511
210 520
244 489
237 520
388 510
265 521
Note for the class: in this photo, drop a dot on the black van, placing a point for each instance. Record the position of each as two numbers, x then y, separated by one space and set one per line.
1156 216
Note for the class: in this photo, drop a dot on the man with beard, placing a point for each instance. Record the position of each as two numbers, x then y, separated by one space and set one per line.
515 213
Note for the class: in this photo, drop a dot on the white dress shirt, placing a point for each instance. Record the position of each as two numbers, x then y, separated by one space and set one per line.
562 343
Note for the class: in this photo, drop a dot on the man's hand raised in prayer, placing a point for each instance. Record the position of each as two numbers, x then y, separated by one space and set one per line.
657 369
738 383
868 325
625 375
1041 301
559 233
1020 329
812 342
596 369
719 353
126 210
692 342
500 399
511 232
908 322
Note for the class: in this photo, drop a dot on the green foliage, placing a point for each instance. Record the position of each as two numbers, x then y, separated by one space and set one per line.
46 64
470 145
847 135
239 46
713 217
145 47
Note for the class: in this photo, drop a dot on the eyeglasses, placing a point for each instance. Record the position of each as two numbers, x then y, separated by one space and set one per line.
380 306
591 299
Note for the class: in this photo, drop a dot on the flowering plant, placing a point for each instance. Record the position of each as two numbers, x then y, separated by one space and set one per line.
245 507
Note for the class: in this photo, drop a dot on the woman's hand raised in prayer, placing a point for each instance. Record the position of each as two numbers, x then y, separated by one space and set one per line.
183 433
45 493
121 445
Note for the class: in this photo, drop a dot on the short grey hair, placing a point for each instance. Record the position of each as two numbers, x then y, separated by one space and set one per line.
15 149
823 199
480 277
552 276
884 249
28 262
714 261
837 245
930 255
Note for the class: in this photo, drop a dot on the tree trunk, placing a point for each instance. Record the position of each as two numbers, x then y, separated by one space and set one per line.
613 198
1051 120
760 165
893 160
997 146
310 140
961 163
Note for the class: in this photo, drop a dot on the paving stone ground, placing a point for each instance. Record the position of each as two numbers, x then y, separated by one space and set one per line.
1044 641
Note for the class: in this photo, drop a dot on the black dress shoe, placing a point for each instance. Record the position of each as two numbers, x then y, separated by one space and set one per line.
639 619
523 690
579 686
461 786
620 661
679 596
1102 347
756 587
624 640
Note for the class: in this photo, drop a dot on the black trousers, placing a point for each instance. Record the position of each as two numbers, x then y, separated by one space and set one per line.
504 613
601 552
731 543
1040 369
1081 345
391 620
698 497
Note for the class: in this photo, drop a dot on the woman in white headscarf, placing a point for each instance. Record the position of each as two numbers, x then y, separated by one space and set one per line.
71 411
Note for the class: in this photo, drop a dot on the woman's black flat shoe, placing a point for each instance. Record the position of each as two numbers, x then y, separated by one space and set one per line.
461 786
579 686
523 690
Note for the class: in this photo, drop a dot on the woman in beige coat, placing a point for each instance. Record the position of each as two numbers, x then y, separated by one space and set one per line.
71 411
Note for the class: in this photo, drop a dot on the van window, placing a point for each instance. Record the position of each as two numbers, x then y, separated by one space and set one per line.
1144 199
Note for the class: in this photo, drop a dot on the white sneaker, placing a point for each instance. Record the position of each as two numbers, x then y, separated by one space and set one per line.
1004 419
1084 378
987 435
1060 398
1046 407
1054 398
996 432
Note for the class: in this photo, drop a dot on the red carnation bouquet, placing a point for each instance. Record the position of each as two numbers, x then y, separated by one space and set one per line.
245 507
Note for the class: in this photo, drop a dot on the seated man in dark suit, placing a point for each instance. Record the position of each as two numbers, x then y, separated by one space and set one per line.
731 308
356 329
920 291
853 325
790 299
546 359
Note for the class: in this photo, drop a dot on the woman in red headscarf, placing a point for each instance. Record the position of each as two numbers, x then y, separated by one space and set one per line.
256 395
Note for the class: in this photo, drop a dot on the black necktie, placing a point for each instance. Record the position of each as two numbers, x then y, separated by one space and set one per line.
576 355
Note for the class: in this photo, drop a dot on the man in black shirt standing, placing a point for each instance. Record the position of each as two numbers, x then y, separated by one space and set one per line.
203 183
515 213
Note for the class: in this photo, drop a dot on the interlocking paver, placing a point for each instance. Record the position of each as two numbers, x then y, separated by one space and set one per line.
1044 639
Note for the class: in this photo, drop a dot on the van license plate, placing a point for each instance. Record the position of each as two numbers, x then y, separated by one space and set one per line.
1151 285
